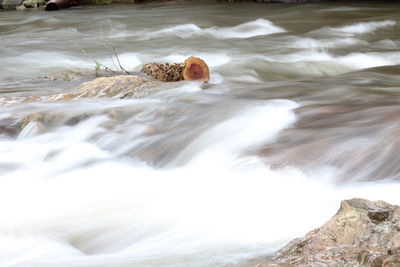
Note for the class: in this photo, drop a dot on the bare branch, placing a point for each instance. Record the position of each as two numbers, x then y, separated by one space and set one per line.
116 56
92 58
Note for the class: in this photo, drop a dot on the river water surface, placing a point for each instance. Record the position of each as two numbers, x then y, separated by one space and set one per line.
302 111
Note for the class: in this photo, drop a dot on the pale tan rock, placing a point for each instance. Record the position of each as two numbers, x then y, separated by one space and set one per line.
362 233
122 86
64 75
119 86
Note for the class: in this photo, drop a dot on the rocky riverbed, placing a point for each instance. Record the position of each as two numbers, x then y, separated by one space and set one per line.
88 85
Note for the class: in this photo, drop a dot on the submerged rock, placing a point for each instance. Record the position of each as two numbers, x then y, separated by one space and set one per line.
40 118
122 86
65 75
362 233
9 127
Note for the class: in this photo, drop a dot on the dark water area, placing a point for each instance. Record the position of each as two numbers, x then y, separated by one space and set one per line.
302 111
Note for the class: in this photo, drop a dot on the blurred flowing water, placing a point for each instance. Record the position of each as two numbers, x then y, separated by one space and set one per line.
302 111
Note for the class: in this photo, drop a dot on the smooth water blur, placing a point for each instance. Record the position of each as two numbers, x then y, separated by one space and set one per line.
302 111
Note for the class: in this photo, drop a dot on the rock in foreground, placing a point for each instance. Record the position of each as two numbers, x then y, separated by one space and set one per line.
362 233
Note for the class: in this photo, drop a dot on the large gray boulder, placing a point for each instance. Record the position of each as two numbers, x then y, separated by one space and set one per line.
362 233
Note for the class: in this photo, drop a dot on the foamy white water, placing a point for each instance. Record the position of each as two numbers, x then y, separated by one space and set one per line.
357 28
304 63
363 28
310 43
312 56
71 203
245 30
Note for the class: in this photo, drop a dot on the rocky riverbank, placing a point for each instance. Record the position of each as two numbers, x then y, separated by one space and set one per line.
24 4
361 233
21 4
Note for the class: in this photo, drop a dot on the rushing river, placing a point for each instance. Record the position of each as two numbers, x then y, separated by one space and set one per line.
302 111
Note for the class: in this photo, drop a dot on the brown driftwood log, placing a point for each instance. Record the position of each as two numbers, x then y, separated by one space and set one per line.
60 4
193 68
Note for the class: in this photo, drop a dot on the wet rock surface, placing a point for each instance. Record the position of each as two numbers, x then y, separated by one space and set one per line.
123 86
9 126
65 75
87 86
362 233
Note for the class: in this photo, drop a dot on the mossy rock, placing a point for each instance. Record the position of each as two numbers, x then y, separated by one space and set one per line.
11 4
